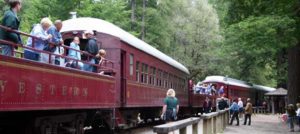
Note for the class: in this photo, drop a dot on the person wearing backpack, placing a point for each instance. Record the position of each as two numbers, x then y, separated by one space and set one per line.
235 109
170 107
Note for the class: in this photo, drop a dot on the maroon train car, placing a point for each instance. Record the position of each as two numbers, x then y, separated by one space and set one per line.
234 88
44 98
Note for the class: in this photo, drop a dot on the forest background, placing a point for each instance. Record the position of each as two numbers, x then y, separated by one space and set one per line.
251 40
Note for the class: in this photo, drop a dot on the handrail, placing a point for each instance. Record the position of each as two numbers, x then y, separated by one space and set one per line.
103 68
211 123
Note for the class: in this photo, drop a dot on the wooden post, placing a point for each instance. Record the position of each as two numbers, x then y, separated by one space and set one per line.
273 106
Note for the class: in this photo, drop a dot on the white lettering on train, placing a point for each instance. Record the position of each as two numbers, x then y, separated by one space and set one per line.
21 87
52 89
38 89
64 90
2 85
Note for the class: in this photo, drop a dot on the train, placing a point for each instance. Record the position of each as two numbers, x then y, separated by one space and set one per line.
41 98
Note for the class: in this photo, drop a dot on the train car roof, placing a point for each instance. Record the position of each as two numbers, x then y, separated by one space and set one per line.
86 23
229 81
235 82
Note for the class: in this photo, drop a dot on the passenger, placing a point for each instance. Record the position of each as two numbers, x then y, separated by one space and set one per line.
241 107
221 91
57 40
11 20
170 107
207 105
234 108
298 115
91 48
75 54
291 112
213 90
100 57
208 89
222 104
248 112
40 31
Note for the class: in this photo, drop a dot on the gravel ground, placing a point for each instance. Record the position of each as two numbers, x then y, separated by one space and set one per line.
261 124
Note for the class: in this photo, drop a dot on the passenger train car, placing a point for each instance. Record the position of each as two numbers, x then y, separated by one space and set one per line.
234 88
44 98
41 98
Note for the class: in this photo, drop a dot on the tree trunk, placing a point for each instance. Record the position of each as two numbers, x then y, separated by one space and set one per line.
143 20
294 75
133 6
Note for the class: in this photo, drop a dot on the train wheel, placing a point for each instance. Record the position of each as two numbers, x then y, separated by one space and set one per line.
79 125
46 127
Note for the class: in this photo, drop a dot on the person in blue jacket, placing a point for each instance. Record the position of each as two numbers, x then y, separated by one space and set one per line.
234 108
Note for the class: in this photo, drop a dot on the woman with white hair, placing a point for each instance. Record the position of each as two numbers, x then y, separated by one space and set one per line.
171 107
40 31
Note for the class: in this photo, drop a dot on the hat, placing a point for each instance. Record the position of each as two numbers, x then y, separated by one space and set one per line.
87 32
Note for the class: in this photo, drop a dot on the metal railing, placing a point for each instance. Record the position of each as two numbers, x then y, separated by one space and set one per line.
106 66
211 123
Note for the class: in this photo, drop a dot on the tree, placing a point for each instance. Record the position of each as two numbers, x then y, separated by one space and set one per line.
258 34
195 37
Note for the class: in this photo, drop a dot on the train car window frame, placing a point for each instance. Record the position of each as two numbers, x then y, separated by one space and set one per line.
137 70
150 75
154 75
146 73
131 56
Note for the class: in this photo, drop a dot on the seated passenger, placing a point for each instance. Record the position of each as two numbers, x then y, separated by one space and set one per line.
40 31
101 57
75 54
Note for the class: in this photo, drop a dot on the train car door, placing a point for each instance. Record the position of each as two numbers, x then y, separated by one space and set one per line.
123 78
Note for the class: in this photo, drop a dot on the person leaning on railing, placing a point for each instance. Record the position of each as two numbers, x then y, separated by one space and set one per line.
56 40
100 57
92 48
75 54
39 31
12 21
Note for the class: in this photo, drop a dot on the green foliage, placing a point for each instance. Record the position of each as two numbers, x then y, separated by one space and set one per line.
114 11
256 32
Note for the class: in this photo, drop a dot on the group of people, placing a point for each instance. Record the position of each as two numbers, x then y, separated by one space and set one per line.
208 89
293 115
48 40
237 109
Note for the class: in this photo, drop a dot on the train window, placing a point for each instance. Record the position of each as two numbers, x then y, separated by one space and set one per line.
157 77
137 71
165 79
144 74
154 75
150 76
131 64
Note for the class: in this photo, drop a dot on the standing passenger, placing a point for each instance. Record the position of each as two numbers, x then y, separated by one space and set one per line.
248 112
91 48
75 54
39 31
222 104
298 114
291 115
235 109
57 40
241 107
171 107
11 20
